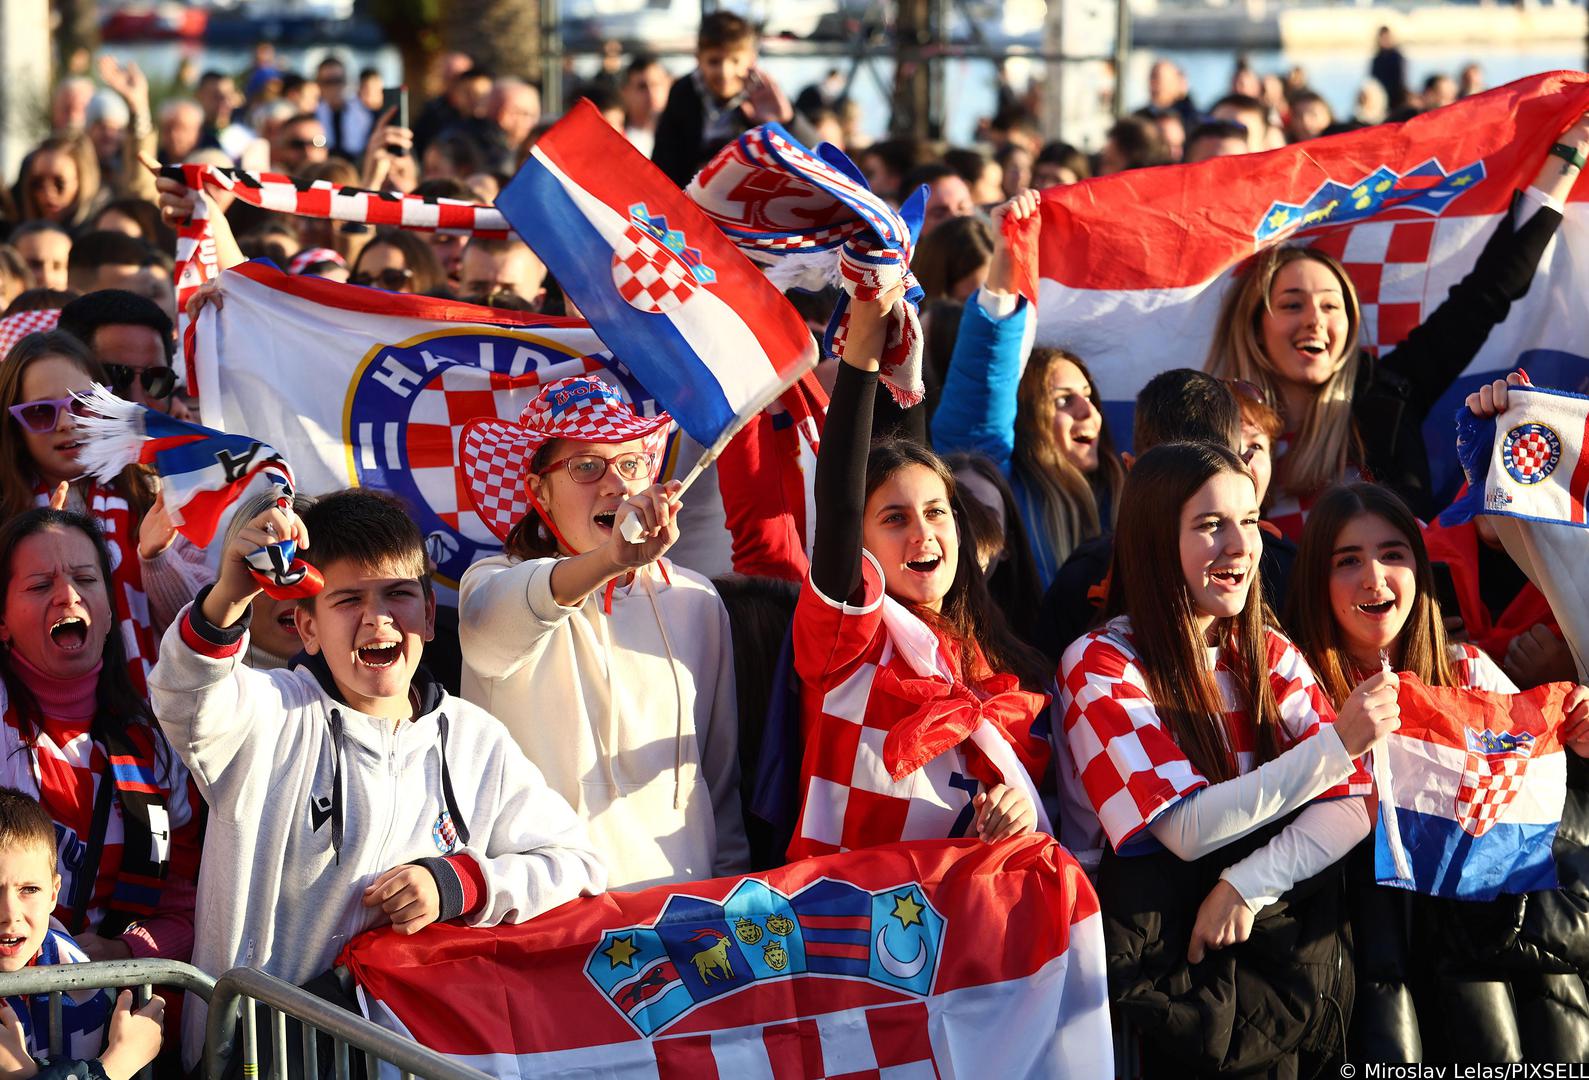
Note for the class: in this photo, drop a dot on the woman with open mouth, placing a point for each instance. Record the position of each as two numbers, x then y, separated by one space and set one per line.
611 665
916 701
1445 980
155 570
1222 777
1292 324
129 836
1037 416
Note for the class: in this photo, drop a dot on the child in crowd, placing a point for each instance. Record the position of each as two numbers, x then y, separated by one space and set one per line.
726 95
1221 776
917 701
350 791
76 733
612 667
29 886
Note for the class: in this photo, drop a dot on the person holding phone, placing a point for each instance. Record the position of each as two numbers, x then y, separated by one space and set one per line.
727 94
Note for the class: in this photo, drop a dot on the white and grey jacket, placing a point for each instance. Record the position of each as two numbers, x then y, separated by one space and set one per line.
311 800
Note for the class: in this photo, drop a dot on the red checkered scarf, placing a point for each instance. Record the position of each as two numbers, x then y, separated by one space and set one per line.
196 261
13 328
114 518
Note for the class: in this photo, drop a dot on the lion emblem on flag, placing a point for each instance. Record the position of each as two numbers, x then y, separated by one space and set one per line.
1492 775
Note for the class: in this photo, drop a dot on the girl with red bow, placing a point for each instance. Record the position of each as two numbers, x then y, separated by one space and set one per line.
917 702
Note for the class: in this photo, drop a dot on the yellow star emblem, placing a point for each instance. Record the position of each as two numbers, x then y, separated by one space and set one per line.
1462 181
1279 218
621 951
907 910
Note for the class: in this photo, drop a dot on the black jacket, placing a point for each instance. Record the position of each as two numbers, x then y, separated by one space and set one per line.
1273 1006
1395 394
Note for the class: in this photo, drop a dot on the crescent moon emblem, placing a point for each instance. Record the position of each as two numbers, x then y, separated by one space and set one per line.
894 965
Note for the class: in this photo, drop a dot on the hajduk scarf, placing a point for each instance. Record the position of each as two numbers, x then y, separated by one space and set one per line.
196 259
810 221
202 473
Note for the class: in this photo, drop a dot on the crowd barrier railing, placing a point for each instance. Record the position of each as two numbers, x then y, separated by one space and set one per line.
141 975
349 1033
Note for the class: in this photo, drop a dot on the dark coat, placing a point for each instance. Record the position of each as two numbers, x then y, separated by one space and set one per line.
1500 980
1273 1006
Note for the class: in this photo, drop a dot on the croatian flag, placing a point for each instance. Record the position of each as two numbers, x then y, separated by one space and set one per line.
1133 266
930 959
670 296
1527 463
1477 784
202 471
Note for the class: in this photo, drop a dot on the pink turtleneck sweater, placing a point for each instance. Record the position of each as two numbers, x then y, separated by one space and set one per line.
69 703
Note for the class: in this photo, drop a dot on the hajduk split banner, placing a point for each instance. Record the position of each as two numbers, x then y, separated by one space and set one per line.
946 958
1133 266
368 388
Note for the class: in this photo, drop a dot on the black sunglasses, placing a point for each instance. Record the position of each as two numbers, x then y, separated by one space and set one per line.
158 383
392 279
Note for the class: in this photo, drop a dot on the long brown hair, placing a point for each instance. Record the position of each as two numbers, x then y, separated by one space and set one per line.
1146 583
530 538
18 475
1424 649
968 613
1325 440
81 152
1069 499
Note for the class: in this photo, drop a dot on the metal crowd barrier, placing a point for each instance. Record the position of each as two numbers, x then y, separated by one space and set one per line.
349 1033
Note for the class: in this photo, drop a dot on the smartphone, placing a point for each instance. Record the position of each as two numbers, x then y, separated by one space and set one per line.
1445 589
396 97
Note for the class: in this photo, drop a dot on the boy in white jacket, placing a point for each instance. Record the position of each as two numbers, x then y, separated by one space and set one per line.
352 790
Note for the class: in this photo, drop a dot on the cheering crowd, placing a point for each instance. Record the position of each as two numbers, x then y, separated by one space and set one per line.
1174 659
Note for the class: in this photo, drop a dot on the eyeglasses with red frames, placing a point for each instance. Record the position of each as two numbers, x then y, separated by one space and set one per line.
41 417
589 468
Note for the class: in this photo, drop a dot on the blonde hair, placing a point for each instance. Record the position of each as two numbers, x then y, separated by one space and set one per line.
1068 505
1325 440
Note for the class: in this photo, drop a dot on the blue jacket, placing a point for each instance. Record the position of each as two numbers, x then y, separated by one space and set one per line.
977 408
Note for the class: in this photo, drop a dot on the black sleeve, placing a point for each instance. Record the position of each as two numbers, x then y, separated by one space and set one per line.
840 487
891 421
1435 353
678 136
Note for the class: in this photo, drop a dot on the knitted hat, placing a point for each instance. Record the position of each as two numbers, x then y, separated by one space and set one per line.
495 454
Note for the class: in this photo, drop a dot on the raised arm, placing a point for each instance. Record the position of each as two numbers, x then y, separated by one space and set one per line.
977 408
846 440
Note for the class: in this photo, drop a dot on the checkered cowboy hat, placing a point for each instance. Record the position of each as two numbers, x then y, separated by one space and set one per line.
495 454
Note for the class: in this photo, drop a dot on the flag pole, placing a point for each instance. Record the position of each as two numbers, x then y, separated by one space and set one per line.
630 527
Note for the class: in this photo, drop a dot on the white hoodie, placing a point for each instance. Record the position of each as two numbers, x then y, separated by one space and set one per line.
310 801
632 716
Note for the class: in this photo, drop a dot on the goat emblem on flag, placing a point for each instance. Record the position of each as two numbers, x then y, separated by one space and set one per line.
700 950
653 266
1530 452
1492 775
